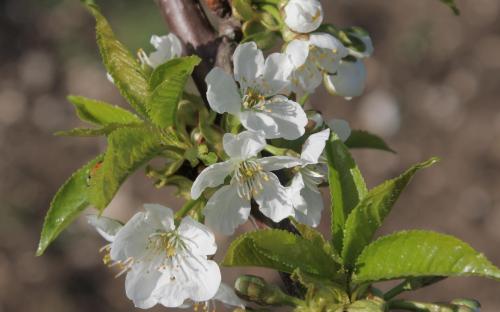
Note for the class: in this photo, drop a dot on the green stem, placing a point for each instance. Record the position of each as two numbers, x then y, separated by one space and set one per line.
188 206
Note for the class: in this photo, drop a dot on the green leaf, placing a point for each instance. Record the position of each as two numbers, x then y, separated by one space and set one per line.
127 74
167 87
452 5
364 139
67 204
420 253
282 251
100 113
128 149
369 214
91 132
347 186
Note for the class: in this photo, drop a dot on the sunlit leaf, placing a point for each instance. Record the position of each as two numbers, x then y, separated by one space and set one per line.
347 186
128 149
369 214
167 87
282 251
420 253
67 204
101 113
126 72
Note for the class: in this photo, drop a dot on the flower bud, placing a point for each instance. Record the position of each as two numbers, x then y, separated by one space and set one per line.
303 16
256 289
349 81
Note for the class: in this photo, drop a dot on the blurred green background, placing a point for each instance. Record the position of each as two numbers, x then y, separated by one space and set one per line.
433 89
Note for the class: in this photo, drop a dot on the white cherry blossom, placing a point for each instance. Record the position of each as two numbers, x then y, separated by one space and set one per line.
304 192
167 47
250 178
303 16
259 101
348 81
320 54
164 264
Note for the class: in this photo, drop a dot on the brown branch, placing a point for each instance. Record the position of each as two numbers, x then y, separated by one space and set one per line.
188 21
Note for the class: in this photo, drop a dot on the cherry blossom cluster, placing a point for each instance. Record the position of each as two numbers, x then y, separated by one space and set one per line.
171 264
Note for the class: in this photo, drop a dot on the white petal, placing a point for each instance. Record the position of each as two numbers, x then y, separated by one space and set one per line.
303 16
309 208
349 81
159 217
173 288
205 278
306 78
259 121
243 145
314 146
327 42
296 186
278 162
228 296
187 278
341 128
248 64
225 210
298 50
288 117
106 227
211 176
277 70
274 200
329 51
197 237
222 92
140 286
167 48
131 240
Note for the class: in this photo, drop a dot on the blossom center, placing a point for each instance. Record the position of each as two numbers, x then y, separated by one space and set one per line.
249 176
253 100
165 242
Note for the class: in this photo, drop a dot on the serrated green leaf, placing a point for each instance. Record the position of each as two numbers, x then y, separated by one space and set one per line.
91 132
420 253
101 113
282 251
369 214
347 186
452 5
67 204
167 87
128 149
127 74
365 139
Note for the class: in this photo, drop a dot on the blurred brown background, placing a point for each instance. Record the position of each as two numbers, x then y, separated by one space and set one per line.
433 89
